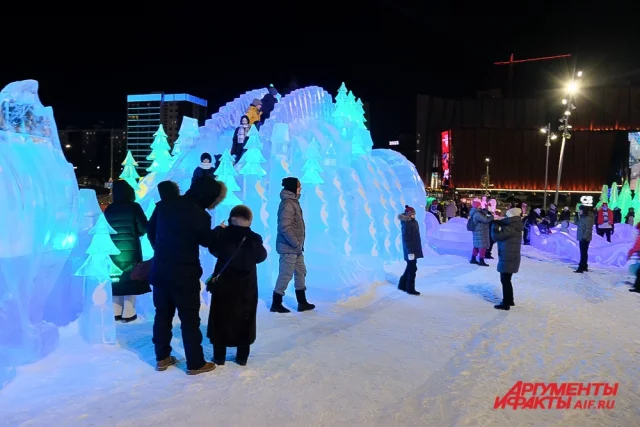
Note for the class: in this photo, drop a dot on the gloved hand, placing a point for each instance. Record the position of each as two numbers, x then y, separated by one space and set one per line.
411 257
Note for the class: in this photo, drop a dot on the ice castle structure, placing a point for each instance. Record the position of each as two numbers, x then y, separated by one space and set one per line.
351 193
38 224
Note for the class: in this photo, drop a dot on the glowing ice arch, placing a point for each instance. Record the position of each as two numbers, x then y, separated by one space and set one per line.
38 223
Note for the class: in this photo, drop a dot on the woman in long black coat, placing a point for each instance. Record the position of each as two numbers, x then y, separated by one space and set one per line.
234 296
127 218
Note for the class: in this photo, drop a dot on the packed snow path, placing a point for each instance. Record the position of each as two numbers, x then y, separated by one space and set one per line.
383 358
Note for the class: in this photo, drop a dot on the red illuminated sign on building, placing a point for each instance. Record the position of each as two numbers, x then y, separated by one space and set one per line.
445 138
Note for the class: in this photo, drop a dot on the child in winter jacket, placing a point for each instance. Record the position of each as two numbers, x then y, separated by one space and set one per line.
634 250
205 168
412 247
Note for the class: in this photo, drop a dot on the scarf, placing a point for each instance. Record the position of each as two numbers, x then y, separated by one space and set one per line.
242 133
205 166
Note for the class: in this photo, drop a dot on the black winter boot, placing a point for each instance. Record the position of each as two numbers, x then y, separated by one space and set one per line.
473 260
219 354
242 355
276 305
488 255
502 306
482 263
303 305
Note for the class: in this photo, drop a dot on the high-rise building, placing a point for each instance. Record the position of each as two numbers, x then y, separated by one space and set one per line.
96 152
145 113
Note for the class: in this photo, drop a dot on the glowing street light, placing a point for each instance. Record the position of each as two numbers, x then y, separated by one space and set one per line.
564 102
579 73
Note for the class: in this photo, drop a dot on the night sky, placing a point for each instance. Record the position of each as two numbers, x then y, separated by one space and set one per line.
385 52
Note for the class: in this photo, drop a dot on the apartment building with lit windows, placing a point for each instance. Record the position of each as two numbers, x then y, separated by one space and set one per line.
145 113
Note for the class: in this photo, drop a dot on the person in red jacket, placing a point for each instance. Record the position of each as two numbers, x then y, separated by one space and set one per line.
604 223
634 250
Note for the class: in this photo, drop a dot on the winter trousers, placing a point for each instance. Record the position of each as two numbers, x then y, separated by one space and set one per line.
124 306
291 265
584 255
408 278
636 285
479 251
605 231
507 288
220 353
166 301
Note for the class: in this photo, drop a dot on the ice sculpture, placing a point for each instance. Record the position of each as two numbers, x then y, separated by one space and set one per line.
97 324
351 194
451 237
613 197
160 155
37 231
129 172
625 199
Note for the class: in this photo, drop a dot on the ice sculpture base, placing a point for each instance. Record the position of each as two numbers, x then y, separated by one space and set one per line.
97 323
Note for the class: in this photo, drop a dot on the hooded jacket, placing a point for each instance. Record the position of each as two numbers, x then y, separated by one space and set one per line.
177 229
291 227
508 235
127 218
481 219
585 227
411 242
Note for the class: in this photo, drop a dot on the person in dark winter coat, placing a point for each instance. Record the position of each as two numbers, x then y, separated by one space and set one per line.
565 215
412 248
481 219
127 218
631 216
617 215
269 102
435 211
240 138
464 211
205 168
552 213
507 232
234 295
177 228
533 218
290 247
585 221
168 190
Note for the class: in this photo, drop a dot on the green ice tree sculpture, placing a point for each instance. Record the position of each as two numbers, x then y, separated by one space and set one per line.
357 145
98 263
360 119
129 172
341 102
312 167
160 153
352 107
604 196
625 199
253 157
226 173
613 198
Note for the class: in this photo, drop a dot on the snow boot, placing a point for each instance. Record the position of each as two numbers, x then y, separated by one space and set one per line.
502 306
242 355
488 255
208 367
276 305
634 290
482 263
402 284
303 304
219 354
163 365
473 260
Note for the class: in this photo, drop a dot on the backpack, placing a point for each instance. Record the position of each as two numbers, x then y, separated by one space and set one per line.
470 224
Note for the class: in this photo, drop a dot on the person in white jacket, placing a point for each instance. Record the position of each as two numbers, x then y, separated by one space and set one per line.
451 210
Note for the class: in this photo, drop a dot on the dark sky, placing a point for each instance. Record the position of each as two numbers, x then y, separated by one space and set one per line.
385 51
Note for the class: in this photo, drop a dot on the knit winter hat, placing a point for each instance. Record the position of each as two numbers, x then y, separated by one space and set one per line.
241 211
204 156
256 102
409 210
290 184
514 212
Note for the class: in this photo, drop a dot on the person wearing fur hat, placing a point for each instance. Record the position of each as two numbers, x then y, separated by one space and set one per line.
234 294
204 169
507 233
290 247
176 230
412 248
254 111
480 220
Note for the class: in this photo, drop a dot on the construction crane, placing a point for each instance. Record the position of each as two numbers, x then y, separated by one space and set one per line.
512 61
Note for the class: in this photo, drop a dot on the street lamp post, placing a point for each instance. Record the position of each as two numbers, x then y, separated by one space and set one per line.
486 183
564 127
550 136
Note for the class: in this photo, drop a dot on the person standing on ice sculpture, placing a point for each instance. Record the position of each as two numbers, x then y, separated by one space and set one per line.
176 230
290 247
480 220
254 112
507 233
584 220
234 295
204 169
412 248
239 138
127 218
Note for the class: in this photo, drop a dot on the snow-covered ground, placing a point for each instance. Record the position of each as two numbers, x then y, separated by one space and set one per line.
383 358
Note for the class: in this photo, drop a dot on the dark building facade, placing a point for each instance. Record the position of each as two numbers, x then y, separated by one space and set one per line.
96 152
145 113
507 131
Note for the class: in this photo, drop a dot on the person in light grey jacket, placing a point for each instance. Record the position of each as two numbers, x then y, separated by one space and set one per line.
290 247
